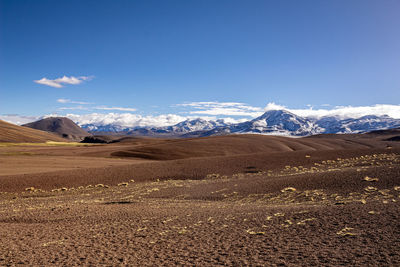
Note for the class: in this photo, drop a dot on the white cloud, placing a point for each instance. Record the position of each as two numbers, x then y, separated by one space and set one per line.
48 82
68 80
126 119
62 100
241 109
222 109
18 119
58 83
115 108
229 120
273 106
69 101
133 120
343 112
74 108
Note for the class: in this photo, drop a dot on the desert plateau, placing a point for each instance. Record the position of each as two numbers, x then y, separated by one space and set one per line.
228 200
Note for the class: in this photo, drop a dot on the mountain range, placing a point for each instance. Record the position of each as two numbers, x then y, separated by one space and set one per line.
273 122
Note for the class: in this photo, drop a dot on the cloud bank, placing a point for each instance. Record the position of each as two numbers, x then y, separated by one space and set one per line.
18 119
243 109
60 82
238 112
126 119
222 109
115 108
117 119
343 112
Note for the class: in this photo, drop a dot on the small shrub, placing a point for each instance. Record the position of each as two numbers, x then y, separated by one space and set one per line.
369 179
288 189
370 189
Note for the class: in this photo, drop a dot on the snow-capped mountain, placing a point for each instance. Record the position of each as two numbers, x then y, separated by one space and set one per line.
183 127
359 125
194 125
279 122
104 128
273 122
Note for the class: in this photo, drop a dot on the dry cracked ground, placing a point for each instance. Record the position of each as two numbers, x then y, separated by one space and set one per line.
337 212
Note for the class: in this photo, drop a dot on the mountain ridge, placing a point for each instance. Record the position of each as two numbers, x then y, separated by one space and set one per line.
272 122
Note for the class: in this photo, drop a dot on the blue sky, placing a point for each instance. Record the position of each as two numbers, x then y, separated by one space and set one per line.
150 57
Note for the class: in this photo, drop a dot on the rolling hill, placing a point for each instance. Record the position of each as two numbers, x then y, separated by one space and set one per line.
18 134
243 144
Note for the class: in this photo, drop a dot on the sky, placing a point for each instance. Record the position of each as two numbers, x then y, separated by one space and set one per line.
165 61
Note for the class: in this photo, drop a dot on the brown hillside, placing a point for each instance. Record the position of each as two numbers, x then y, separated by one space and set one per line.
14 133
241 144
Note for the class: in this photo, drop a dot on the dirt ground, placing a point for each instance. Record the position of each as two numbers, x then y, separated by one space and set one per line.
284 208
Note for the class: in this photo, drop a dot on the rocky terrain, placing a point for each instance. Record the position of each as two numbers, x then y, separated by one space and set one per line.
230 200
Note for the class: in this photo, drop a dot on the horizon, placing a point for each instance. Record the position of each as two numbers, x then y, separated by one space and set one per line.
160 63
134 120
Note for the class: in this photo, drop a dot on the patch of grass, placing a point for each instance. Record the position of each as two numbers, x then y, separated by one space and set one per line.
48 143
370 189
303 222
369 179
346 232
251 232
52 143
56 242
288 189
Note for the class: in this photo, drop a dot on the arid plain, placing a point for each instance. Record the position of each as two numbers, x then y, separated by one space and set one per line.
231 200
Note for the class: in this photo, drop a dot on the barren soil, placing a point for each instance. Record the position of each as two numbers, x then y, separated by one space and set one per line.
319 203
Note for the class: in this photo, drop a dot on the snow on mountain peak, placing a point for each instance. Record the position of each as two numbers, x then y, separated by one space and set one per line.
272 122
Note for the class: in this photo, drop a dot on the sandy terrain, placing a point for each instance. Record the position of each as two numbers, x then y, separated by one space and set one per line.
319 203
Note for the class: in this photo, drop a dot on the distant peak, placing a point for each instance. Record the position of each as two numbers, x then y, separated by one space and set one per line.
60 125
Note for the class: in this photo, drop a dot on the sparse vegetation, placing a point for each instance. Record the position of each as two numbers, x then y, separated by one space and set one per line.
254 204
369 179
347 231
288 189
